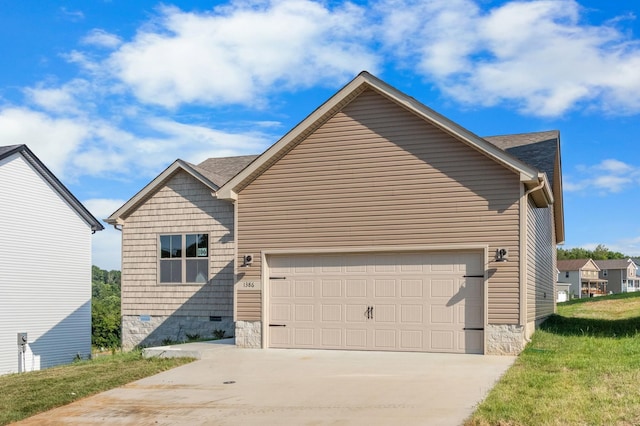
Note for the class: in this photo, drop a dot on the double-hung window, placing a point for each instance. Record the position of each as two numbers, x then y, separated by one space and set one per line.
184 258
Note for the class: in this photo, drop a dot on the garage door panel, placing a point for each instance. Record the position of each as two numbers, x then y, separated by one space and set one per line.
281 289
442 315
356 338
304 313
331 337
356 313
386 301
280 336
411 314
411 340
356 288
443 287
281 311
384 339
331 313
385 288
384 313
331 288
303 288
443 340
304 336
411 288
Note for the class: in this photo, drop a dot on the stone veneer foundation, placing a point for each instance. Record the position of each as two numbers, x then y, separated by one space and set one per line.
505 339
249 334
149 330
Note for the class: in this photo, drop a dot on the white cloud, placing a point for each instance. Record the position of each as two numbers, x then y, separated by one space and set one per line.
608 176
539 55
240 52
74 146
53 140
102 38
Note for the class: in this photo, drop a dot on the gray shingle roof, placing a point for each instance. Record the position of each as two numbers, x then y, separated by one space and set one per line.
537 149
220 170
613 263
571 264
5 150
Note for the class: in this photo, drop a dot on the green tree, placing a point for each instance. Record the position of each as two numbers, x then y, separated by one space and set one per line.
601 252
105 308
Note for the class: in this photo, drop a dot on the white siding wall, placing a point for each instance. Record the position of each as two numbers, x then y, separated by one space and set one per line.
45 271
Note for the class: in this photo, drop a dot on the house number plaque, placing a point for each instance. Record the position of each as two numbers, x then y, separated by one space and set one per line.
249 285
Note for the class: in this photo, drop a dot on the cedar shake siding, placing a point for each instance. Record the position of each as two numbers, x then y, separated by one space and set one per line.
375 174
183 205
541 263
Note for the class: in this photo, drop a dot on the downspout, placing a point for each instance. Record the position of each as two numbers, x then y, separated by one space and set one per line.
524 206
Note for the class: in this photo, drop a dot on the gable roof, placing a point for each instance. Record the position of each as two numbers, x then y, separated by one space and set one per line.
220 170
614 263
212 173
575 264
30 157
529 175
535 157
538 149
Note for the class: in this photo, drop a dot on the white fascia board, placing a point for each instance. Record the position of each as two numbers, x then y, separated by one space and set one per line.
151 187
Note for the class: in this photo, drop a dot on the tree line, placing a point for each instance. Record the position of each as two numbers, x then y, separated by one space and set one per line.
105 308
599 253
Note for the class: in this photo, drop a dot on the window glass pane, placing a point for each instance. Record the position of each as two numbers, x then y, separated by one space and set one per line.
197 271
165 246
176 246
203 245
197 245
170 271
192 244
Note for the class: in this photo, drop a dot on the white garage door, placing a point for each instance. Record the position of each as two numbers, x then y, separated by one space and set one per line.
421 302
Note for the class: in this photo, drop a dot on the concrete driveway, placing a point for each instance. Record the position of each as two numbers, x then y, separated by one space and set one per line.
232 386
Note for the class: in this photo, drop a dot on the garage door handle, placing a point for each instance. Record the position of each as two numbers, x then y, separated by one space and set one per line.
277 325
369 312
473 276
473 329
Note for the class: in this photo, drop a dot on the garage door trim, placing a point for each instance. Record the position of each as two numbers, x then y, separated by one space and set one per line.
265 270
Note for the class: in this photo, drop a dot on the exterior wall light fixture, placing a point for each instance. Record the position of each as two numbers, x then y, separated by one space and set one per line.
502 255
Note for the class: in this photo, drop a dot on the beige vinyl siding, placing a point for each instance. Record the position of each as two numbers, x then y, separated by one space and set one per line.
182 205
377 175
541 263
249 304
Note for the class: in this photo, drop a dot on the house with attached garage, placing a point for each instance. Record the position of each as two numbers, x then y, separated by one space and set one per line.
583 277
374 224
45 266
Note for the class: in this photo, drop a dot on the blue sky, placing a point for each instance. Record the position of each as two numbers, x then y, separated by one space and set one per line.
109 93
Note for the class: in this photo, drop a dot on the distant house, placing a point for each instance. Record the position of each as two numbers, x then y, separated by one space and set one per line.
45 266
621 274
374 224
583 275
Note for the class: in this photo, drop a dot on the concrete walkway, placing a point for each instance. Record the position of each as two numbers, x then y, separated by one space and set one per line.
233 386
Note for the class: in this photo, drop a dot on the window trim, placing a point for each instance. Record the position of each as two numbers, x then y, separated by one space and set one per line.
183 257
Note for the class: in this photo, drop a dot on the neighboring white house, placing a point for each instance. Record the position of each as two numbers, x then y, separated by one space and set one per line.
582 275
45 266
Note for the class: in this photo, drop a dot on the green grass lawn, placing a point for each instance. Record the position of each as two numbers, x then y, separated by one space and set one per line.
581 368
23 395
